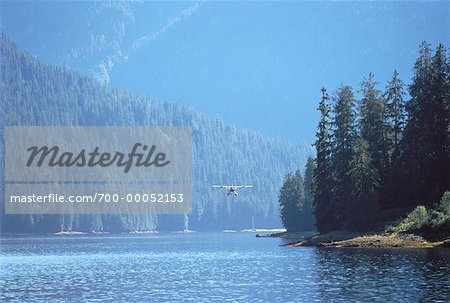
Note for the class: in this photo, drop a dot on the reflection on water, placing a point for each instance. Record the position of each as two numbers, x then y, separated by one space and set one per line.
208 267
391 275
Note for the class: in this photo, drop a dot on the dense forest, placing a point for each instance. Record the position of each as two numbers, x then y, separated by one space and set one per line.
297 199
381 156
34 93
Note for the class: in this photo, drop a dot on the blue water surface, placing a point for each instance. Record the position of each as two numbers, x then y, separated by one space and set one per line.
213 267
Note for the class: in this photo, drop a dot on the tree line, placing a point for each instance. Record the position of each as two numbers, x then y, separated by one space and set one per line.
380 156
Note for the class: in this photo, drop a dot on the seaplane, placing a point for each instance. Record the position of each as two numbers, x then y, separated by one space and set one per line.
232 189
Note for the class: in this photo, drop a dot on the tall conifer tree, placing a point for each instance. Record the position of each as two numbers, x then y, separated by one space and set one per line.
323 181
343 145
396 110
373 124
423 167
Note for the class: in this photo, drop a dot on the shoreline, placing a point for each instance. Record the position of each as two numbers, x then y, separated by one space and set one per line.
344 239
137 232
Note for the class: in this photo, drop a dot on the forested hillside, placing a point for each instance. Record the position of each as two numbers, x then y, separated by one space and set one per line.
34 93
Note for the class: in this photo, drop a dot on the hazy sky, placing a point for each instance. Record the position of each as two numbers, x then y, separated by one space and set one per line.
259 65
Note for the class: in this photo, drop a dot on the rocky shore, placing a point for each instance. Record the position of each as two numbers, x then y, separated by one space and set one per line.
360 240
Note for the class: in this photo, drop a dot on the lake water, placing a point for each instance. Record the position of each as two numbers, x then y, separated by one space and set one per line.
213 267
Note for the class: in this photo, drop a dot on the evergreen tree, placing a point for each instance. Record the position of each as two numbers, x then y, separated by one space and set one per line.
308 182
396 115
323 182
291 201
440 124
420 87
343 144
396 110
365 181
373 124
403 192
422 171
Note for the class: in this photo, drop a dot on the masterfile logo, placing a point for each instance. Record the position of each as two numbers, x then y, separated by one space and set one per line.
52 157
98 169
81 153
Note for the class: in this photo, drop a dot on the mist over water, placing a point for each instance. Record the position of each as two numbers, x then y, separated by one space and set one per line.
205 267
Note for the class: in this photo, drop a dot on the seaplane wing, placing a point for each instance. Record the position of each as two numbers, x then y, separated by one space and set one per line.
222 186
232 186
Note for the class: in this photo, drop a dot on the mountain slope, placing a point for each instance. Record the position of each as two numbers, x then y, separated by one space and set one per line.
34 93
